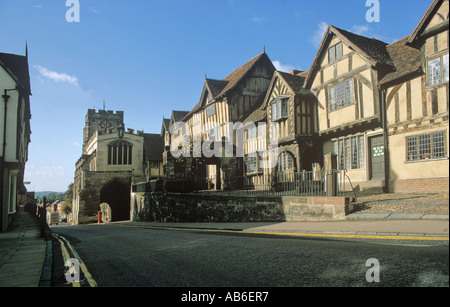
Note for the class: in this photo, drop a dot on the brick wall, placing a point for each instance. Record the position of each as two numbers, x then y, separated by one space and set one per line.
427 185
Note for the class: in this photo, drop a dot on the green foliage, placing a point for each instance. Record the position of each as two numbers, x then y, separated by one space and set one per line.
67 204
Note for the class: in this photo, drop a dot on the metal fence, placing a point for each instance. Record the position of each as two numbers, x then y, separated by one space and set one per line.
305 183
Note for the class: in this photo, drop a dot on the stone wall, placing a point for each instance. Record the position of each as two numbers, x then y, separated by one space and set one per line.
316 209
197 207
193 207
89 196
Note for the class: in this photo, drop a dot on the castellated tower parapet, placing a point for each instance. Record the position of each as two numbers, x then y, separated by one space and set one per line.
102 121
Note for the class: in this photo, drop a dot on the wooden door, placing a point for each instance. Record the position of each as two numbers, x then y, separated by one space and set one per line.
376 158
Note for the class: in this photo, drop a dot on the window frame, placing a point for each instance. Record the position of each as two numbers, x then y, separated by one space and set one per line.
443 76
421 147
280 109
333 55
351 152
120 153
285 159
334 101
253 163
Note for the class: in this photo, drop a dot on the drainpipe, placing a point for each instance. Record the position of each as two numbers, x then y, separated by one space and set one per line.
385 140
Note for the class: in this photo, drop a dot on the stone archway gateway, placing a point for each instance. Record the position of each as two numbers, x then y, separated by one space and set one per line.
117 195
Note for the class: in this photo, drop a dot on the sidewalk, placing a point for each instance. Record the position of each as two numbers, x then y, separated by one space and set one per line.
22 252
372 224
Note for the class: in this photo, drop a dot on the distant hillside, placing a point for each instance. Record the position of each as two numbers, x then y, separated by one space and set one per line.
51 196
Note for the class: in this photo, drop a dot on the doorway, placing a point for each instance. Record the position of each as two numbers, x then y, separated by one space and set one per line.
117 195
376 146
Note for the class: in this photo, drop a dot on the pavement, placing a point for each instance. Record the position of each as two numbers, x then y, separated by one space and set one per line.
22 252
26 257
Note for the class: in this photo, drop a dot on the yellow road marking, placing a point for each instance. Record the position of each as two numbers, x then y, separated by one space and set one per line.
66 256
83 267
301 234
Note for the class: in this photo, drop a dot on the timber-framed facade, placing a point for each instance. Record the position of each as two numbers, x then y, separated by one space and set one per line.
381 108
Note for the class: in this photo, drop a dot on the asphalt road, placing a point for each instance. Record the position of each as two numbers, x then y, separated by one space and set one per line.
122 256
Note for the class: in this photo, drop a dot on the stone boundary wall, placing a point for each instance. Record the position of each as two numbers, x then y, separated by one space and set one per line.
192 207
316 209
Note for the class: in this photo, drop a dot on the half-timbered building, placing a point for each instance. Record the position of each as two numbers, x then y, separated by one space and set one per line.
292 121
416 97
222 104
344 76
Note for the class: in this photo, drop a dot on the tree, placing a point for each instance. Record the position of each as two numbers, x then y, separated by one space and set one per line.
67 203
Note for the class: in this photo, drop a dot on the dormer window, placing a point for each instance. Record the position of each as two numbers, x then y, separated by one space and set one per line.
335 53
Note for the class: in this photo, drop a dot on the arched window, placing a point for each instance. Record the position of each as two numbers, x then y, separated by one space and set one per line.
285 162
120 153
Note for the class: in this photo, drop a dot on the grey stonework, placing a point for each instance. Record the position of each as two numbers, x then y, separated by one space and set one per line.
201 207
193 207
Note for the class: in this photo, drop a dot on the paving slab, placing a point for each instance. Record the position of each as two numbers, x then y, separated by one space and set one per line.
405 216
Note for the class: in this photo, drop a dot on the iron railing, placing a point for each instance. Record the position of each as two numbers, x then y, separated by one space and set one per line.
305 183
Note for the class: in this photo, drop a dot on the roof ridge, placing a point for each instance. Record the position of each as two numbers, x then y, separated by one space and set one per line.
252 59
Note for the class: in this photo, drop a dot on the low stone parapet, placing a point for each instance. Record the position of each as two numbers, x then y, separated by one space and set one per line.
310 209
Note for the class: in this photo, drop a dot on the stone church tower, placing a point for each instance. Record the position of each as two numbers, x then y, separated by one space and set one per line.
112 160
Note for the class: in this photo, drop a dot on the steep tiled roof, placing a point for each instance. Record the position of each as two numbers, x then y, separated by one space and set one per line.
295 82
165 125
373 50
371 47
219 88
17 67
423 22
153 147
236 76
406 59
216 86
179 115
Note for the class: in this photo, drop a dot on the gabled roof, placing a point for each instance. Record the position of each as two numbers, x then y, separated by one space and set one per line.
407 60
165 125
295 83
219 88
256 116
216 87
235 77
424 21
17 67
178 116
153 147
372 50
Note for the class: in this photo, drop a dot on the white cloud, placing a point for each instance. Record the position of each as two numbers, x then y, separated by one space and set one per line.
38 6
317 37
360 29
56 76
282 67
258 19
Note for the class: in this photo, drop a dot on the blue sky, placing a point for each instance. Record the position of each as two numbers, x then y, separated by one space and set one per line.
149 57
